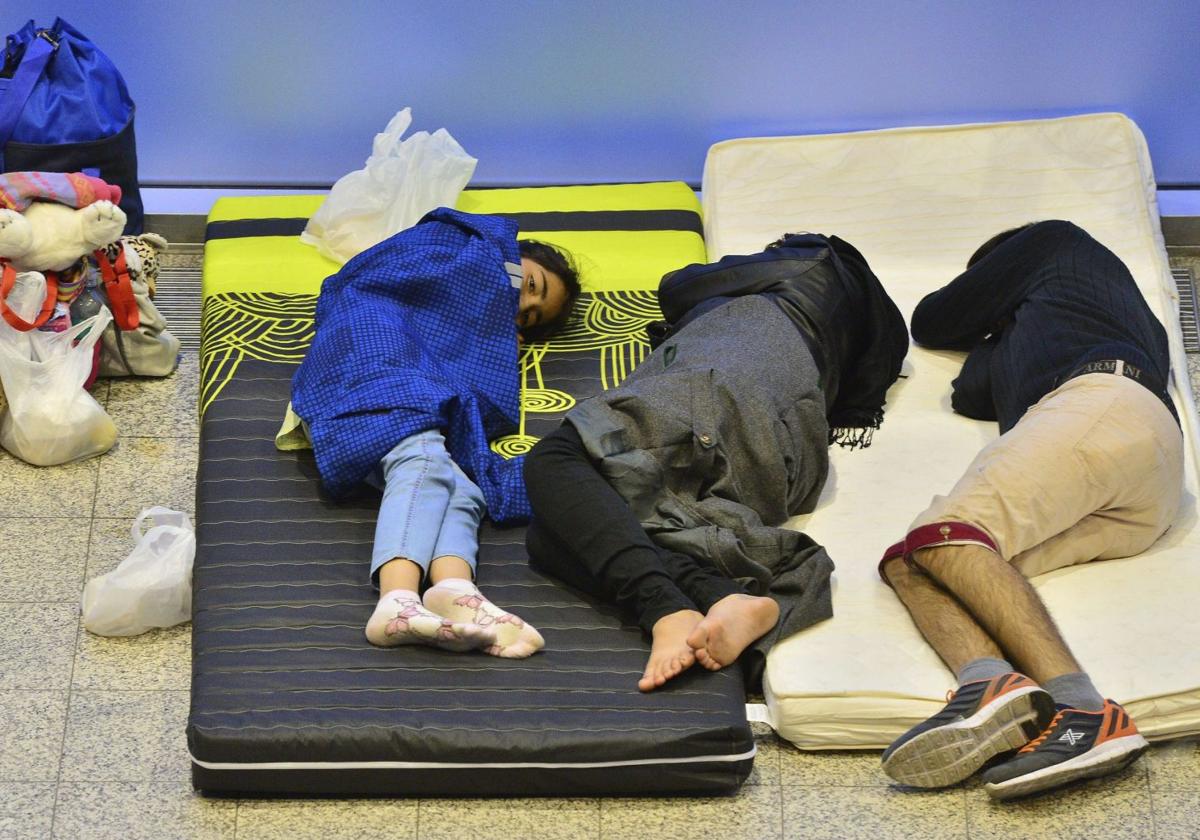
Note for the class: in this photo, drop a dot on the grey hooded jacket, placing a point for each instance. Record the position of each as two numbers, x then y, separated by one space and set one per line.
714 440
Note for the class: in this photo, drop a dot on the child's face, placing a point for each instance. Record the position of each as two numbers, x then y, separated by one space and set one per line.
543 295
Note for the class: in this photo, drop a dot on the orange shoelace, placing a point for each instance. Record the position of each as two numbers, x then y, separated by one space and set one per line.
1037 742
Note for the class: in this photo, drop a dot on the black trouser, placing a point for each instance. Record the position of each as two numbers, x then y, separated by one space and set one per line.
583 533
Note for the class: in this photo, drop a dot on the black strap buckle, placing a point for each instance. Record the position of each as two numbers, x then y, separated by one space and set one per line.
47 36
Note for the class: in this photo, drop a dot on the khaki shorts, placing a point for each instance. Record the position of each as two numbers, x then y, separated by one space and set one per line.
1093 471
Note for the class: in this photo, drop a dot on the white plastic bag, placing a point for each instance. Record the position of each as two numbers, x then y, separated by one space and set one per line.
403 180
50 419
152 587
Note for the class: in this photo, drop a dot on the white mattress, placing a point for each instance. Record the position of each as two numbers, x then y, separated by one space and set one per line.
917 202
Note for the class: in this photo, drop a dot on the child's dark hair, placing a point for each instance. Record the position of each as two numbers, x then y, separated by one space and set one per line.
559 263
991 245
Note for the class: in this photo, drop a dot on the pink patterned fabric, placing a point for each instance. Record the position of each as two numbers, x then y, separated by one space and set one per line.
20 189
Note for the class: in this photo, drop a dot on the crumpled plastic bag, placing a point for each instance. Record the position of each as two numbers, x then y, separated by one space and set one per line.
50 419
152 587
402 181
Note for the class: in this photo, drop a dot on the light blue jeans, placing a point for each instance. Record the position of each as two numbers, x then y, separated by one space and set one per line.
430 508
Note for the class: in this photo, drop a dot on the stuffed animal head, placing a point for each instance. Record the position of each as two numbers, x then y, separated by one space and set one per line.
141 257
49 236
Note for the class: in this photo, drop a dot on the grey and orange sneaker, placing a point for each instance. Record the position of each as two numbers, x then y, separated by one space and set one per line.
1077 744
982 719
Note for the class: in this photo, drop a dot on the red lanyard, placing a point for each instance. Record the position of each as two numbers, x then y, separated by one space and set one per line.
8 279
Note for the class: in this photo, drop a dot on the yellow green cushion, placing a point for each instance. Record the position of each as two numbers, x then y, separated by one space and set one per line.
609 259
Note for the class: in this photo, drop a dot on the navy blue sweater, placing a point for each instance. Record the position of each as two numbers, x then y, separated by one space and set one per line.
1041 304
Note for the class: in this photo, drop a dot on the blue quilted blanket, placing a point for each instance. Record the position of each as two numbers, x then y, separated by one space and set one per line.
419 333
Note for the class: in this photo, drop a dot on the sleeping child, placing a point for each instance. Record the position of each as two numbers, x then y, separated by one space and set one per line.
412 371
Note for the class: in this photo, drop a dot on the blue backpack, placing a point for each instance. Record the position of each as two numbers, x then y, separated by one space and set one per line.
64 108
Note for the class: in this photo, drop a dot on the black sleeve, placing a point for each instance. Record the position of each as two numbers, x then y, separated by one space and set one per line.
983 298
977 302
972 395
734 276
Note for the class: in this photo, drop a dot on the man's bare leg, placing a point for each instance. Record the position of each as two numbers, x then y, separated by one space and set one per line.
991 713
1101 737
730 626
950 630
1004 605
670 653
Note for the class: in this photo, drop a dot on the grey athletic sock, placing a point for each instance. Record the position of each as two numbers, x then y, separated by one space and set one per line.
983 668
1075 690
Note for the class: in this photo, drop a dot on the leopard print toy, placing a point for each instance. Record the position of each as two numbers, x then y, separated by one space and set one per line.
141 256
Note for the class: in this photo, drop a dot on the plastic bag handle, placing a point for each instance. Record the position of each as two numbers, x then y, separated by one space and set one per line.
8 279
87 332
136 533
119 290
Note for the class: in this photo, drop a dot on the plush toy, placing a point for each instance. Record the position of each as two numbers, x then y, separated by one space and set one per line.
49 220
141 257
67 226
150 349
51 226
53 237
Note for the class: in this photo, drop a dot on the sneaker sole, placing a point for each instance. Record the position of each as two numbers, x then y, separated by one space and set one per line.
947 755
1109 757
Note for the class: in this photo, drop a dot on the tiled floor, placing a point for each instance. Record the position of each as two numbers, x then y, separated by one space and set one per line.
92 729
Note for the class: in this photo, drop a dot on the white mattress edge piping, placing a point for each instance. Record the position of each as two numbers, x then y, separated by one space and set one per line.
448 765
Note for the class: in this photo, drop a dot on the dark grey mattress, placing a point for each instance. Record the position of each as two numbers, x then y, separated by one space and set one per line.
289 698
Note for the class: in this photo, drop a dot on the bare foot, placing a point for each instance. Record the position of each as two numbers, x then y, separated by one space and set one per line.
670 654
732 625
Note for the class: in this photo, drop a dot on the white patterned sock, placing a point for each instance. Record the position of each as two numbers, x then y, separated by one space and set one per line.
401 619
461 600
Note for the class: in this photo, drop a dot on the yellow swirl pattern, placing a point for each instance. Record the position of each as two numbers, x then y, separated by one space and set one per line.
263 326
545 401
510 446
279 328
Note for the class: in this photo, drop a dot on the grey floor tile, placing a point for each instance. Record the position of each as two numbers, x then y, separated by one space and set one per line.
552 819
1177 815
43 558
26 810
295 819
126 736
141 472
766 762
1113 807
753 813
849 813
31 735
857 768
100 391
163 407
141 811
1174 765
37 645
48 491
109 542
159 660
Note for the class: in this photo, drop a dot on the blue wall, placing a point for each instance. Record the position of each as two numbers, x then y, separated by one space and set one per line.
276 93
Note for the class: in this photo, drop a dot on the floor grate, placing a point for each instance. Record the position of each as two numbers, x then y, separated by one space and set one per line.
178 294
1185 282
